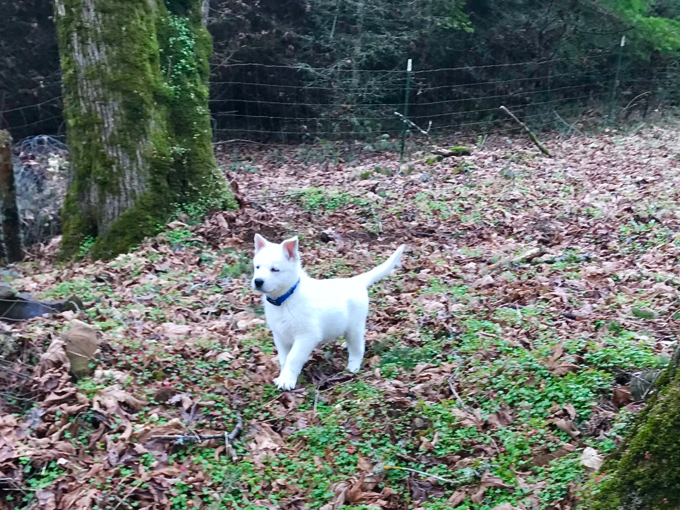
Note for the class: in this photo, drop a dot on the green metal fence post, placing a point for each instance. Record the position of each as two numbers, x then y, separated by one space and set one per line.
612 104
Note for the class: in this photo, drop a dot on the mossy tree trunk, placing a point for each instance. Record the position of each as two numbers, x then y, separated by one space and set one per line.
644 473
135 81
11 235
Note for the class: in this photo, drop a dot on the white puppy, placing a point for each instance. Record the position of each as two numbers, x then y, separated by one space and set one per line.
303 312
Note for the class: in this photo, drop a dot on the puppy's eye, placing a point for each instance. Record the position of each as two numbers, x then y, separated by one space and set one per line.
257 267
274 270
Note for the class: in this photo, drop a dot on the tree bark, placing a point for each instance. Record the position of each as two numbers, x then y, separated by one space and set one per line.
11 232
135 84
644 473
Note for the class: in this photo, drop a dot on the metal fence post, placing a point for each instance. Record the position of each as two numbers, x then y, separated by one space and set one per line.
615 87
406 98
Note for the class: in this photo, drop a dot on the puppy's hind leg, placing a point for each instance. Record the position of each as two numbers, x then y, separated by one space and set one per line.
355 340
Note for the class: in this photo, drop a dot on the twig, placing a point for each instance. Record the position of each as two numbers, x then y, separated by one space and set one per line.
14 486
452 387
570 126
182 439
237 429
632 101
429 475
414 126
133 489
529 132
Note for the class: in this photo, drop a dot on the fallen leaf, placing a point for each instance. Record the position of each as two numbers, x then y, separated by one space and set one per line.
457 498
567 426
591 459
81 342
622 396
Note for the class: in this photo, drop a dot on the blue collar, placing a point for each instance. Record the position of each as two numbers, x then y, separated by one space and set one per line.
279 300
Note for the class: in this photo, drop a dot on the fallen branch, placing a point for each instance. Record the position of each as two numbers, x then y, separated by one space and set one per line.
414 126
529 132
135 486
459 481
570 126
452 387
633 103
192 438
447 153
526 256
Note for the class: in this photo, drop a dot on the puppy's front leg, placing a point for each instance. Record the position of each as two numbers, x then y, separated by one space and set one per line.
282 349
297 357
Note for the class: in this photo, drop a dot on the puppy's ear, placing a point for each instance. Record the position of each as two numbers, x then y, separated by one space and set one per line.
290 248
260 242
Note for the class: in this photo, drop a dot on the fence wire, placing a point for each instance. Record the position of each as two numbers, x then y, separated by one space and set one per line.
299 104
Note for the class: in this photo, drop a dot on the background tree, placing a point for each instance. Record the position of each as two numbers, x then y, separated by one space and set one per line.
135 92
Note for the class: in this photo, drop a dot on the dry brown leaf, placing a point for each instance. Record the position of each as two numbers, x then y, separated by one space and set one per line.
466 419
564 367
364 465
567 426
457 498
174 331
339 494
545 456
355 494
491 481
501 418
622 396
478 496
54 357
591 459
46 499
264 438
82 343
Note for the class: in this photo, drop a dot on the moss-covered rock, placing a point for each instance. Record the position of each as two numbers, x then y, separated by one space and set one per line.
644 474
135 80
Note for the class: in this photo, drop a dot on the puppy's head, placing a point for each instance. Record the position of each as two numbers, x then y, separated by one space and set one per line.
276 266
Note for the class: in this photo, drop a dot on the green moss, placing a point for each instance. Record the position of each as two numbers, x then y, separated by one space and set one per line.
644 473
156 76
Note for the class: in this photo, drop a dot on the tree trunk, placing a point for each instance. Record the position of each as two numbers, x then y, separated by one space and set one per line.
11 235
135 82
644 473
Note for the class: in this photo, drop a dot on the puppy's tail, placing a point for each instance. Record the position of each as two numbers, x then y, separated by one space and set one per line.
382 270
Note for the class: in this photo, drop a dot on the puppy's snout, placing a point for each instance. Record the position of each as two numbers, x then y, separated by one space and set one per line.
259 282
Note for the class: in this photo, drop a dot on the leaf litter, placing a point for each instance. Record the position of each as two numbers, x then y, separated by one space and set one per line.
503 361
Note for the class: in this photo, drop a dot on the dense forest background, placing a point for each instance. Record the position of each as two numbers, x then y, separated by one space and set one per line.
290 70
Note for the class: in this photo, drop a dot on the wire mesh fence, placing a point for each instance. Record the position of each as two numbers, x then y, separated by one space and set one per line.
300 104
297 104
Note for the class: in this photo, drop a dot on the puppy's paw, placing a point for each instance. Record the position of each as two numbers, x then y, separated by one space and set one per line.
285 382
354 366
